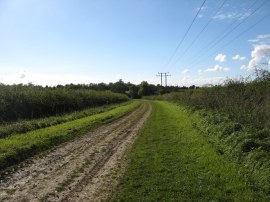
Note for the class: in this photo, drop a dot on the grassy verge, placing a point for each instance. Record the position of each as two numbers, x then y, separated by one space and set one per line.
172 161
16 148
248 148
29 125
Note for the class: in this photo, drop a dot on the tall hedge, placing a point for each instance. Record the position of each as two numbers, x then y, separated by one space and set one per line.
29 101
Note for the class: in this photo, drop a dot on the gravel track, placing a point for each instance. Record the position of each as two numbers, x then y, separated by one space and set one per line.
85 169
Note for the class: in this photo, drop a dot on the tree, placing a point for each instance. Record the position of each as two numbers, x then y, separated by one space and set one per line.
119 87
147 89
133 91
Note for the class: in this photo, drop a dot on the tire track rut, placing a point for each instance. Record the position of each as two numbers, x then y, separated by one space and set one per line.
85 169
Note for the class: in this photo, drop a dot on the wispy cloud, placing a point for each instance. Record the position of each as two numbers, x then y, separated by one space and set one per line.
245 67
232 15
220 58
266 36
238 57
217 68
261 39
202 9
185 71
200 81
200 16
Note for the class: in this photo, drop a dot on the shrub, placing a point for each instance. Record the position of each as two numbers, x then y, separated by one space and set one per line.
245 101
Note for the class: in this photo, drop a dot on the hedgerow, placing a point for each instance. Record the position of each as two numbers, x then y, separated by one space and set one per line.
29 101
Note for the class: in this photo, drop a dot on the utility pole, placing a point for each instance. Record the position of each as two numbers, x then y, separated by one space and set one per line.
160 75
166 74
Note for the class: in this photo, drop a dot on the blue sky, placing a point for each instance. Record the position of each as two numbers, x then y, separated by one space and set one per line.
50 42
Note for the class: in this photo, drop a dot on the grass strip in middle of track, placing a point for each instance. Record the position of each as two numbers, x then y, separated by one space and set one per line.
172 161
16 148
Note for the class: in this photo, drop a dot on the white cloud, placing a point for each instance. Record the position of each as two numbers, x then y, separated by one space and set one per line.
220 58
185 71
245 67
253 40
259 52
199 71
265 36
261 39
217 68
200 81
232 15
202 8
238 57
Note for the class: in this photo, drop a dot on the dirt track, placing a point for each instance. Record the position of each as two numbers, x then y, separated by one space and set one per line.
85 169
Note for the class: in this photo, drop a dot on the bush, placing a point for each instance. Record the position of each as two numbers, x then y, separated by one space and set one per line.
245 101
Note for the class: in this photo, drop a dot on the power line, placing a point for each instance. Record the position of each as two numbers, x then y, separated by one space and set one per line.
225 31
205 48
229 42
200 33
180 43
220 38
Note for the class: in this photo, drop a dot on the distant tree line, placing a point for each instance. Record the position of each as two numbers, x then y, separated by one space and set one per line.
132 90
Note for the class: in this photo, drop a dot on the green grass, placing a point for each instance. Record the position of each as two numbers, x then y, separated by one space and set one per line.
249 149
172 161
16 148
24 126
